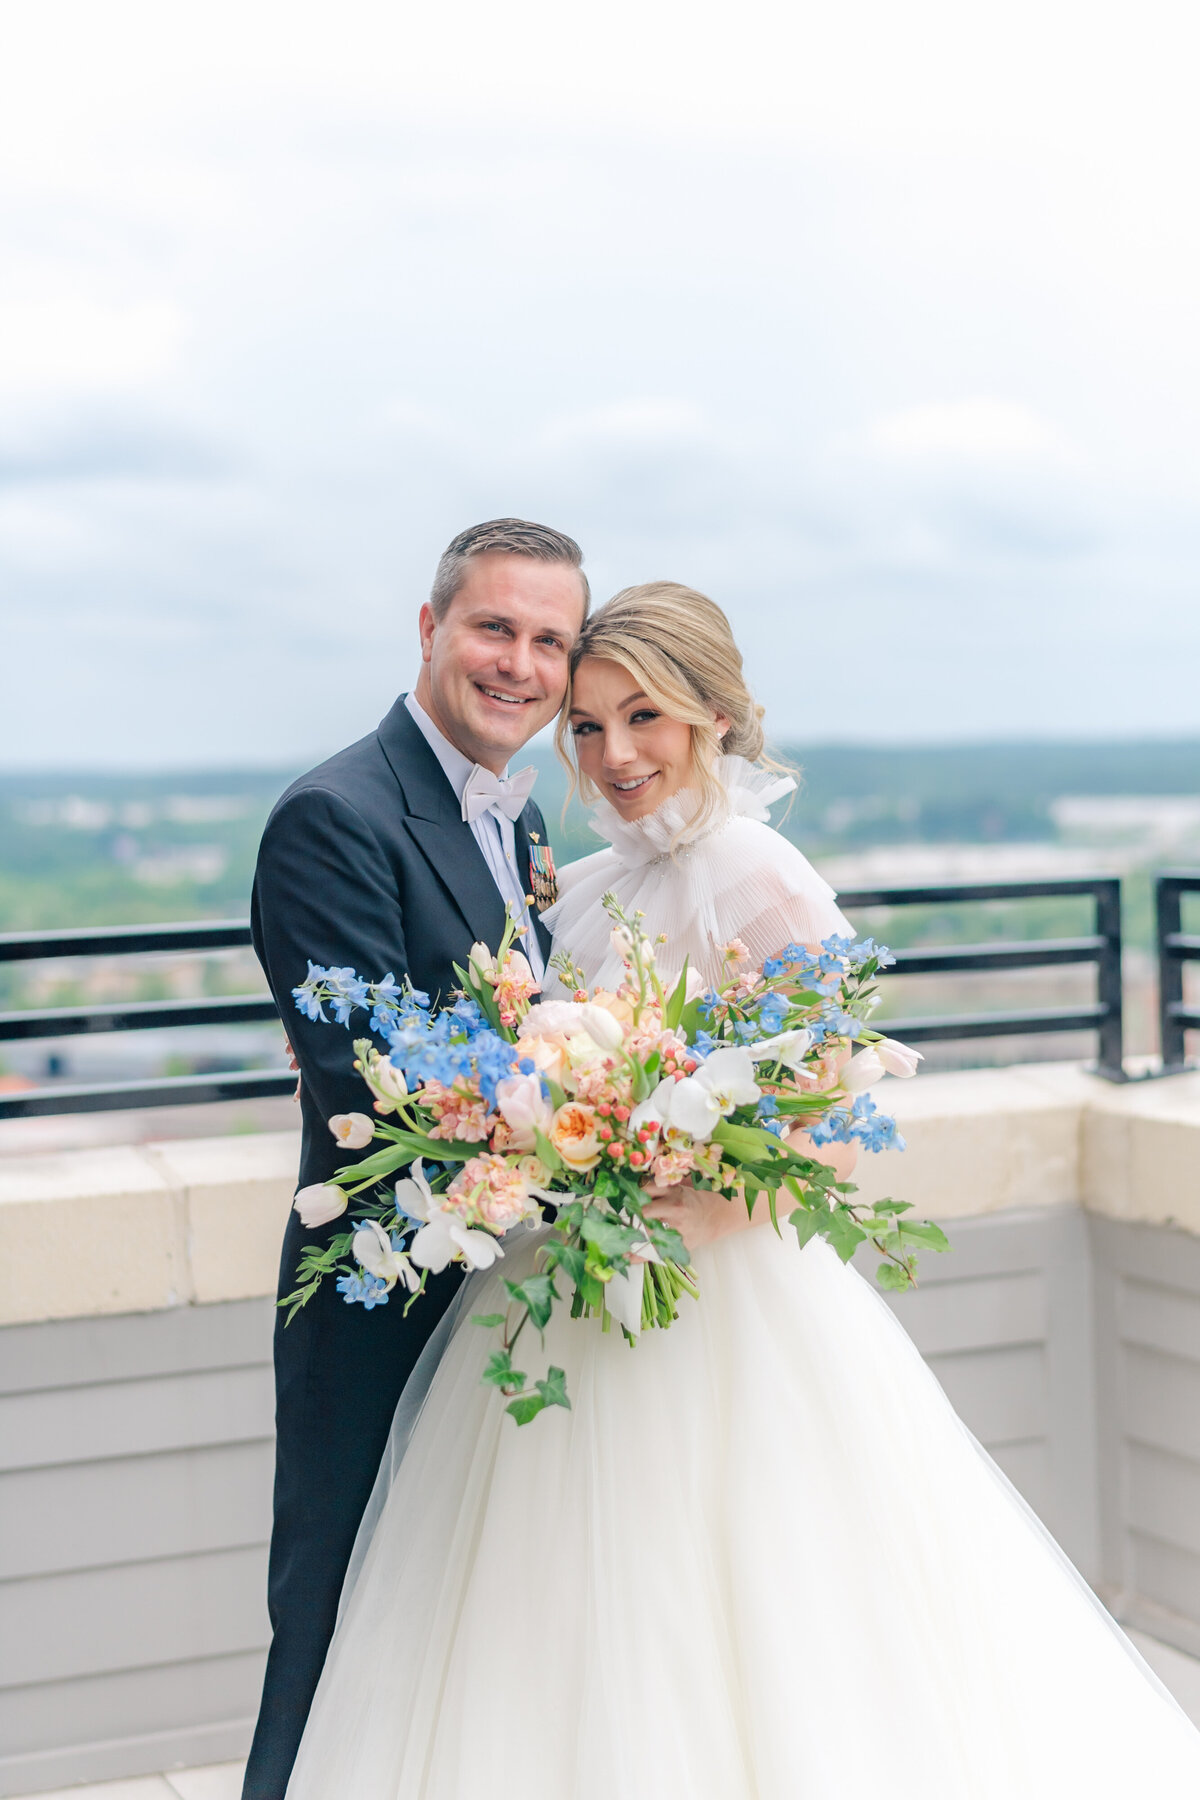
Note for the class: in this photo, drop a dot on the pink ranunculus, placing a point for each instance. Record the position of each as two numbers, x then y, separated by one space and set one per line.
491 1191
524 1108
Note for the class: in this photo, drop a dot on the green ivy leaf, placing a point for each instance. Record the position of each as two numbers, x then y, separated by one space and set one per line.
844 1235
526 1407
500 1372
932 1236
892 1275
608 1235
571 1258
488 1321
538 1293
554 1389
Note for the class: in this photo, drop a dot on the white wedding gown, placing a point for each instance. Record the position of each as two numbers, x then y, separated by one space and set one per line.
759 1559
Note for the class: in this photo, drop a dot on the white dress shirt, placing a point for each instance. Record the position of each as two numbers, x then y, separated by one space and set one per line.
491 830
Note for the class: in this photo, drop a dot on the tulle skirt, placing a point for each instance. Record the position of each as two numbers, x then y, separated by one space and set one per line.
759 1559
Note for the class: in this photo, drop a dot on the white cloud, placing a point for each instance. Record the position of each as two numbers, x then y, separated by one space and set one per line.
59 342
980 429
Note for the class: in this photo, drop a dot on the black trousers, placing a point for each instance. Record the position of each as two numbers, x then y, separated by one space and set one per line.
339 1371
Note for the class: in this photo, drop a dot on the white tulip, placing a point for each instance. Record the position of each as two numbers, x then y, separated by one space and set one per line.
601 1027
319 1204
897 1058
373 1251
352 1130
482 964
863 1071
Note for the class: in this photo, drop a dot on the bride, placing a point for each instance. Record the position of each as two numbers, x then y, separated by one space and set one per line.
760 1558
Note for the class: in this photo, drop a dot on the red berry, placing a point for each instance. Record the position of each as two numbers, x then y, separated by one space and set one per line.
621 1112
604 1132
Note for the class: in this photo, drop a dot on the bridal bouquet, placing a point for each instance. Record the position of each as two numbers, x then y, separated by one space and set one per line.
493 1106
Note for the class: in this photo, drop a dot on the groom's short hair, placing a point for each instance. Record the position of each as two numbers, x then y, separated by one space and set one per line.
512 537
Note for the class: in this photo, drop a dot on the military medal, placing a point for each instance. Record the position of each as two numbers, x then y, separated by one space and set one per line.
543 877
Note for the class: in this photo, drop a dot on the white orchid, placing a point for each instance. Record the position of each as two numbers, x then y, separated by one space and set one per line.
694 1106
788 1048
373 1251
445 1237
319 1204
442 1236
353 1131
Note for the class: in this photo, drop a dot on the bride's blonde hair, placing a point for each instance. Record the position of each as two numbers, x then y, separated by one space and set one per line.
677 644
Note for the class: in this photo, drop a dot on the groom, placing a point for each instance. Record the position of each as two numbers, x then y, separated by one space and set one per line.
392 857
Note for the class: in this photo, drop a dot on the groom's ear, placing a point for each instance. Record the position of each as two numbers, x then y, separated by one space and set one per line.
426 625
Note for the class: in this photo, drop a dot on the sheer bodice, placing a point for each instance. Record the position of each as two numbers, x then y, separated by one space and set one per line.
732 875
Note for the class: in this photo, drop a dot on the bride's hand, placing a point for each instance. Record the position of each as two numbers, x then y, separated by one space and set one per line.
700 1217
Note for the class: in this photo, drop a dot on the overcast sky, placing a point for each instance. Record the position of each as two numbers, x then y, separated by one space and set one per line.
879 324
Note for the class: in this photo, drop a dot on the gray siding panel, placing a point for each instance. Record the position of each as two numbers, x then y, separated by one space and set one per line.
52 1519
133 1615
136 1475
129 1418
1147 1335
72 1353
135 1492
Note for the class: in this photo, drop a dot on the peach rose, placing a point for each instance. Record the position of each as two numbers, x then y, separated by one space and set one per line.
573 1134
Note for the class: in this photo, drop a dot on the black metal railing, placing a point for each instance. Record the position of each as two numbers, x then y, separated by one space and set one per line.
139 1015
1102 947
1175 948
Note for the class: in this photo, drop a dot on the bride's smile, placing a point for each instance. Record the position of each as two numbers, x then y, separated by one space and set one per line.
633 753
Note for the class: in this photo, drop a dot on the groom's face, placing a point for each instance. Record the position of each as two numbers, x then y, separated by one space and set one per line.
494 669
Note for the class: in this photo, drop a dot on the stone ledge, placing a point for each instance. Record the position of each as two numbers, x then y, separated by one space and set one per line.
136 1229
123 1229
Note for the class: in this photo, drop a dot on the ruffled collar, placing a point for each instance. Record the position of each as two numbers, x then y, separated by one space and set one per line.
747 792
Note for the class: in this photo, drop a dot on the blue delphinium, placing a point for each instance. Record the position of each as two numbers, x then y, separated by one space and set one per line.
344 989
368 1290
772 1014
862 1123
866 949
308 995
388 997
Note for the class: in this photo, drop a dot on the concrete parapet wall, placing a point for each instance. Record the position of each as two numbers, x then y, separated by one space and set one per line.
134 1229
136 1391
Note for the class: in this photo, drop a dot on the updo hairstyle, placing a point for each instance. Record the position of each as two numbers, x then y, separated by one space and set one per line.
678 646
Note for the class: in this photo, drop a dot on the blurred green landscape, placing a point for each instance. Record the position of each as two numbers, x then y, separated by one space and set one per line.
94 848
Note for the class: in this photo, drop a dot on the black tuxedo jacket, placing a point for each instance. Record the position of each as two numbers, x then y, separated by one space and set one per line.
367 863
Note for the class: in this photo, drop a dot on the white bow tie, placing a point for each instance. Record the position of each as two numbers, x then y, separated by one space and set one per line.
486 792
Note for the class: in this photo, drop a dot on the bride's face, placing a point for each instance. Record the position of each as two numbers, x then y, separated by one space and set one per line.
634 753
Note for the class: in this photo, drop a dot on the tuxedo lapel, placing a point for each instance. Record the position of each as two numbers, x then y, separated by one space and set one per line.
434 820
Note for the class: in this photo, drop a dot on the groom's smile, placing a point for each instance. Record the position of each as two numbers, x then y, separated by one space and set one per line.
495 665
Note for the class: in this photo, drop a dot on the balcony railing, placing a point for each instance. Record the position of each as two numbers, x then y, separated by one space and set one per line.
1100 948
1175 948
140 1015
